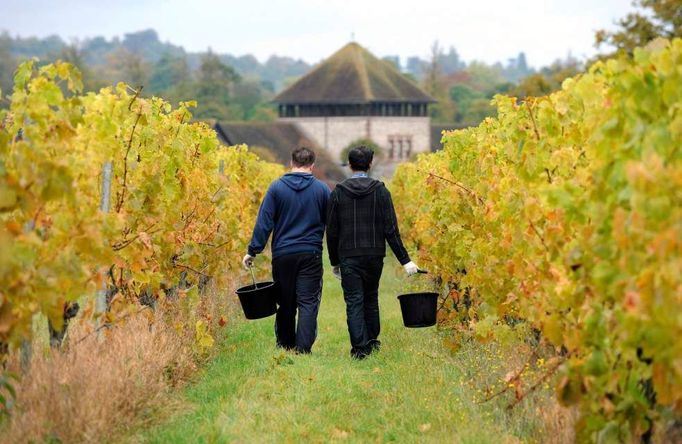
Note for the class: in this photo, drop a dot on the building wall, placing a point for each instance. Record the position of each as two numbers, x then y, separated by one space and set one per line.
336 133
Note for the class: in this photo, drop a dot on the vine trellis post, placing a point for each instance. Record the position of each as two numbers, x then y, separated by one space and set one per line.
104 206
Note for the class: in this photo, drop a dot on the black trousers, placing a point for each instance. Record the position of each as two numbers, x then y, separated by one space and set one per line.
299 278
360 282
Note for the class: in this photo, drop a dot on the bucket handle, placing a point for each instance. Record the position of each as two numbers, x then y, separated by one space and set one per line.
420 271
253 277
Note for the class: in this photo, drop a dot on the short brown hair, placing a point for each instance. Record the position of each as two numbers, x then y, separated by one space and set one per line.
302 157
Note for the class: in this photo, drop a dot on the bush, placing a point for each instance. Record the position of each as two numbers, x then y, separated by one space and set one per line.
378 152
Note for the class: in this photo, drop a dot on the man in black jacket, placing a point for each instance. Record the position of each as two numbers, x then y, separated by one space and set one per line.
361 219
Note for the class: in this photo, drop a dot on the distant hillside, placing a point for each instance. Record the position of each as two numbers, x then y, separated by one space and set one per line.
98 50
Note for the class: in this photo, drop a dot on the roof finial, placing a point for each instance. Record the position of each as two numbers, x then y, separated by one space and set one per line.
352 36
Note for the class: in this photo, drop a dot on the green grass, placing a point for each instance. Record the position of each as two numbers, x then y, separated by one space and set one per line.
413 390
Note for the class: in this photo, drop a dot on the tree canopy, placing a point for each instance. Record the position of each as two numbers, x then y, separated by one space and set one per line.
651 19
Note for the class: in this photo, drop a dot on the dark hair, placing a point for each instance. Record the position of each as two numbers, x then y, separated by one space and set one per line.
302 157
360 158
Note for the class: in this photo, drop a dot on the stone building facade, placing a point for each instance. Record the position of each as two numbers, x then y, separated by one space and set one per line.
399 137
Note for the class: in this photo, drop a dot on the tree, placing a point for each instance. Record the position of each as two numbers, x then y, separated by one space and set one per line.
168 71
521 63
394 61
126 66
534 85
653 18
213 89
147 45
76 56
213 72
464 96
248 93
96 49
451 62
548 80
435 85
485 77
517 68
368 143
263 113
7 65
416 67
448 63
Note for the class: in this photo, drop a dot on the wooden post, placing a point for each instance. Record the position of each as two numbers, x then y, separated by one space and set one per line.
104 206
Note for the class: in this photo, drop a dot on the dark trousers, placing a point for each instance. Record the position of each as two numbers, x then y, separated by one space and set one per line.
360 282
299 278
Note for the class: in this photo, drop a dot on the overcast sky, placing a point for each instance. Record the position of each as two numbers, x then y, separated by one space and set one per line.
313 29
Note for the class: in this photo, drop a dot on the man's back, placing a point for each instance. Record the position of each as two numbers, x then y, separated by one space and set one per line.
361 220
294 209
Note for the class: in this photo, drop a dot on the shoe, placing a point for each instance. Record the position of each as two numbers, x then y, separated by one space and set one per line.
374 345
359 356
359 353
286 347
300 351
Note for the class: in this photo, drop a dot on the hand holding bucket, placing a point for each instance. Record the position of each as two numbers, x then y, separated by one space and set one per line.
419 309
258 300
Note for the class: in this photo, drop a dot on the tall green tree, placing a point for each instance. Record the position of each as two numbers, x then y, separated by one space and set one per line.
126 66
468 103
169 71
214 89
651 19
7 65
435 84
250 94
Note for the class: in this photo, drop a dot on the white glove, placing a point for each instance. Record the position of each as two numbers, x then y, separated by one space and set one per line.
247 262
336 270
411 268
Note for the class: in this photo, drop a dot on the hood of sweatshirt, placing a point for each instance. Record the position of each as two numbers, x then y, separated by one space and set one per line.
298 181
358 187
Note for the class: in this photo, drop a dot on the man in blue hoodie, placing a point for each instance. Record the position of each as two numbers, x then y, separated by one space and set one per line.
294 210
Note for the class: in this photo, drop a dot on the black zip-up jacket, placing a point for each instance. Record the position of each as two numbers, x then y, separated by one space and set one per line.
361 219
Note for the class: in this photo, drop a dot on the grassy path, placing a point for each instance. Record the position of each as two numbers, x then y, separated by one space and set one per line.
412 391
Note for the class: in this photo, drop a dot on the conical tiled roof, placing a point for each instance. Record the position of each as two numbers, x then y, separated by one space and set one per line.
353 75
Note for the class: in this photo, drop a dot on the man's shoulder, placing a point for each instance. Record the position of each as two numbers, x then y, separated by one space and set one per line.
321 185
275 184
348 179
380 186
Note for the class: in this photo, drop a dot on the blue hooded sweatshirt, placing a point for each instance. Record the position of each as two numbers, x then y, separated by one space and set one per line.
294 210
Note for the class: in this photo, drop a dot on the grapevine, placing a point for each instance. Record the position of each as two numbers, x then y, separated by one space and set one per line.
565 212
174 223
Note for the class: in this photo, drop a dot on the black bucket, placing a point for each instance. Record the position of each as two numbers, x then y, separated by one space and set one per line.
419 309
258 300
